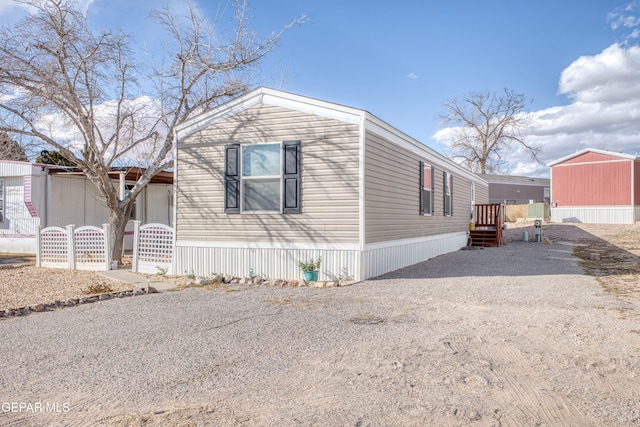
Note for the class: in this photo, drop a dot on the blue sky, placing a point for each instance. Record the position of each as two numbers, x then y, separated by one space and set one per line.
577 60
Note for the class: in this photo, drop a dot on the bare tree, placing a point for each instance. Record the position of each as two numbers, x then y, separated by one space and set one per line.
10 149
483 126
82 92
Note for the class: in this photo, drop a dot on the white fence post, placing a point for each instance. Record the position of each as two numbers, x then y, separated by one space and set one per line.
107 246
71 248
39 247
136 241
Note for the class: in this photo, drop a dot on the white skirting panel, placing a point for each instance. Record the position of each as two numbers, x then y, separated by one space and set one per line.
596 214
23 245
280 263
205 259
382 258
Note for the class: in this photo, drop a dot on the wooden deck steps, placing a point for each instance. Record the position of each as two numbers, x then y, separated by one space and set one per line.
485 237
488 227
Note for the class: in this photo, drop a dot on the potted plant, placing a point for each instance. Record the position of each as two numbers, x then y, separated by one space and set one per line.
310 269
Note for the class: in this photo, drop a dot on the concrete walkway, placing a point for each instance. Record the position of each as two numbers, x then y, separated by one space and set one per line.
136 280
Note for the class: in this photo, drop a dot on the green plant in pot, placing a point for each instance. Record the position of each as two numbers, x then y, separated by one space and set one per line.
310 269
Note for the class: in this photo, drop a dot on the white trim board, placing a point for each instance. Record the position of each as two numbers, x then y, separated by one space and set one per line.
268 245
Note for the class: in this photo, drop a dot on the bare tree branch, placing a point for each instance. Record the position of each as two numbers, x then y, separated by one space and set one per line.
76 89
484 125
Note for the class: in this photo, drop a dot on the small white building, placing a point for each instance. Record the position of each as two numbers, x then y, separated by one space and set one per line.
38 195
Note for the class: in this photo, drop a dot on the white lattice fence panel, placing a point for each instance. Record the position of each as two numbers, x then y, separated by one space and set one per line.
154 248
90 248
54 247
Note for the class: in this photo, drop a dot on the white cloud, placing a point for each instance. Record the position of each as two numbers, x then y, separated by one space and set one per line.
604 111
412 76
625 16
61 129
7 5
610 76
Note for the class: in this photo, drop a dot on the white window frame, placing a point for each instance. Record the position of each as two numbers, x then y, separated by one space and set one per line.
259 178
3 196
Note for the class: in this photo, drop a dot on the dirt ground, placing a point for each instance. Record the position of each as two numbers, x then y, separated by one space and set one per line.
610 253
517 335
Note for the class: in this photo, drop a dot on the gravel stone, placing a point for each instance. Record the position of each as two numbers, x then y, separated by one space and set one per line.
516 335
29 285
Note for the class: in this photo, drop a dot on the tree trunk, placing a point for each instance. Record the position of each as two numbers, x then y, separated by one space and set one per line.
118 223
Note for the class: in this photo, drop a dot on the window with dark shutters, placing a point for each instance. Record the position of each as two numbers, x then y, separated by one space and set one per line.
232 178
258 177
291 189
426 189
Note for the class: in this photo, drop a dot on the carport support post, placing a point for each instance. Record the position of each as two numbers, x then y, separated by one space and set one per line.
122 187
71 248
136 240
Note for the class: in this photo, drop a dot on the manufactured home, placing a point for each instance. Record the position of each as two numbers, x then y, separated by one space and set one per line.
272 178
38 195
517 190
596 186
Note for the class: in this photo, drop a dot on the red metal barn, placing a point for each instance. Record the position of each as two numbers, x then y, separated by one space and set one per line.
596 186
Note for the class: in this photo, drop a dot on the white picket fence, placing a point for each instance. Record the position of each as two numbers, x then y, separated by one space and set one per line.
87 248
82 248
152 248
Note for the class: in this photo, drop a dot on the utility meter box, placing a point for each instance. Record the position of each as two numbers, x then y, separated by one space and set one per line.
538 230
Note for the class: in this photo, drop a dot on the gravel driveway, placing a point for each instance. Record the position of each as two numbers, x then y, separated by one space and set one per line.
502 336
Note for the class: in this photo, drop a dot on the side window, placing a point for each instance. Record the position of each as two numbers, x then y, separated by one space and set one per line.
262 178
426 189
448 193
2 207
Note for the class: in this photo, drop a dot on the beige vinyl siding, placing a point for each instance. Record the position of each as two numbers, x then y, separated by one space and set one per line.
329 152
75 200
482 194
392 198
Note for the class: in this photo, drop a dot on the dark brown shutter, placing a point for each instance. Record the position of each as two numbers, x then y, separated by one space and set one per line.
444 193
431 198
451 195
291 182
421 188
232 178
